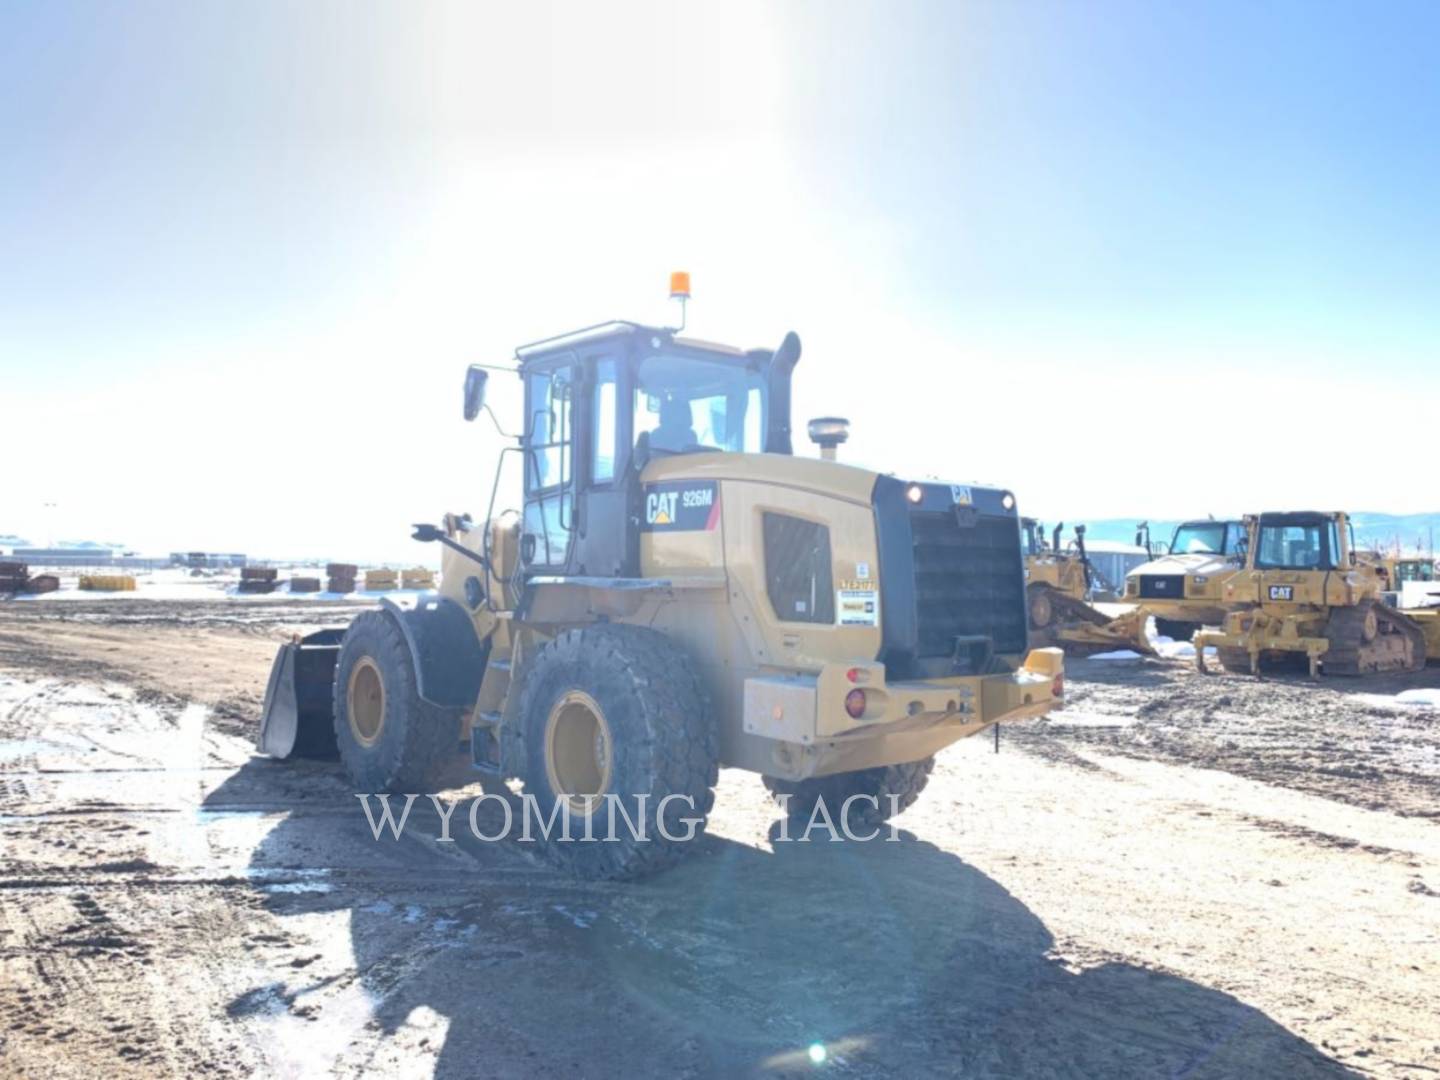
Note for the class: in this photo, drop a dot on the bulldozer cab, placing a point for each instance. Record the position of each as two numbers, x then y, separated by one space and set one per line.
1297 557
1302 541
602 403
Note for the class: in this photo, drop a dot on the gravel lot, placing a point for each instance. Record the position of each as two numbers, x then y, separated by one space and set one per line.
1176 875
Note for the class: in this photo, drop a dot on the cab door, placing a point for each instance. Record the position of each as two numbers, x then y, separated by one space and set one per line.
606 540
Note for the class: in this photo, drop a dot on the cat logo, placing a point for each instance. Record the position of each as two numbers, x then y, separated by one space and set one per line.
660 507
1282 592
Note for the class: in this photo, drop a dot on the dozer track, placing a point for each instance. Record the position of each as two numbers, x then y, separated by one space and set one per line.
1370 638
1235 661
1081 630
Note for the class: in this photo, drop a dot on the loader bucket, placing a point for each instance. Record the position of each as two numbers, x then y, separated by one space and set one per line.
299 718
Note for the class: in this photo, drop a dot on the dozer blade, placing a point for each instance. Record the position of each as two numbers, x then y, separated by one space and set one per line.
298 720
1082 630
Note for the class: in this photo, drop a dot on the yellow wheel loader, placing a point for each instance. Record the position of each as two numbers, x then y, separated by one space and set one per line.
1306 594
675 592
1057 585
1185 589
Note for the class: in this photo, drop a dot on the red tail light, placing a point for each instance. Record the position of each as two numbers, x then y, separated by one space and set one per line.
1057 685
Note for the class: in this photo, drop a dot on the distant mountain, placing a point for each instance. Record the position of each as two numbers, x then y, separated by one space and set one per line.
88 544
1411 531
11 540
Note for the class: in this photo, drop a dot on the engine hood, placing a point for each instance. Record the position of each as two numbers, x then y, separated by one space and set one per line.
806 474
1184 564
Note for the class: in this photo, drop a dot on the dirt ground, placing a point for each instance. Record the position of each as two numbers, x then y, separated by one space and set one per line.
1176 875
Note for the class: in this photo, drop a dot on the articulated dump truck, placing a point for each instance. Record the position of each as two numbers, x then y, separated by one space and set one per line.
676 592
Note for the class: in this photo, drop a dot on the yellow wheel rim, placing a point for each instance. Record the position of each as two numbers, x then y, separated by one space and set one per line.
578 750
1040 610
365 702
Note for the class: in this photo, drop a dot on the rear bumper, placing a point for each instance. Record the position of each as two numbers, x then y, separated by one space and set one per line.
902 721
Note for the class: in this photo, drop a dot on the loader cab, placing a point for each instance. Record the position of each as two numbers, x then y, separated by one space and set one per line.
602 403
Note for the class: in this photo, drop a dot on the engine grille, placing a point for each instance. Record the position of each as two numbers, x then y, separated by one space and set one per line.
1162 586
968 581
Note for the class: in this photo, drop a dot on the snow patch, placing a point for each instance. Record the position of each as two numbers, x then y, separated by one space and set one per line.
582 919
1424 696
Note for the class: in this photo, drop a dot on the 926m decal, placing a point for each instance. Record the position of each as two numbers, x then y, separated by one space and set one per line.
680 506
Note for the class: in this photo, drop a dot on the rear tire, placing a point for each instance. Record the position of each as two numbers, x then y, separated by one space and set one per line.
615 709
389 739
904 782
1175 629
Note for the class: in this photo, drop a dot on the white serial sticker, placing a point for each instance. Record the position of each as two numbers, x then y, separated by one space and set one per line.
862 570
857 607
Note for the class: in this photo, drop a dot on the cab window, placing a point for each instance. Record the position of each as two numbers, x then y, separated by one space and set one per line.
1297 547
684 404
549 477
603 447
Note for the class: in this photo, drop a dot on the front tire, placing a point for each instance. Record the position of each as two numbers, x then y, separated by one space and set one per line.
893 787
617 710
389 739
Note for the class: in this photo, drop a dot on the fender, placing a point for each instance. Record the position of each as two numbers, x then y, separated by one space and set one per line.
449 659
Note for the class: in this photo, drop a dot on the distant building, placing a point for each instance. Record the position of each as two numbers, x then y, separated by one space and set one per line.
1112 560
67 556
208 560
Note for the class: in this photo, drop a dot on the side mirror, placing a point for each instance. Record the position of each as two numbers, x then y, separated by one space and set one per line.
474 390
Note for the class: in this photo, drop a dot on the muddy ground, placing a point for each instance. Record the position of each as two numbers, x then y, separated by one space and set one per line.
1175 876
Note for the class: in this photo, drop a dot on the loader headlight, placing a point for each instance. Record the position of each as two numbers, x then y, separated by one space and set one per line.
915 493
1007 501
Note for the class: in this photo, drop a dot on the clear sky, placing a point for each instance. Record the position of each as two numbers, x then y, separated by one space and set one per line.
1126 258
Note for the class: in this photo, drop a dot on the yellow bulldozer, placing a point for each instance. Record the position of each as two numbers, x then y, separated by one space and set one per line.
1185 588
1058 584
1307 594
677 591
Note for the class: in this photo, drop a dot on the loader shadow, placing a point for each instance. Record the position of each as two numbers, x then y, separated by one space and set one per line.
884 958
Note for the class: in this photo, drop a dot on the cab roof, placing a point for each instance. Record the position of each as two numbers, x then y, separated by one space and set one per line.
547 347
